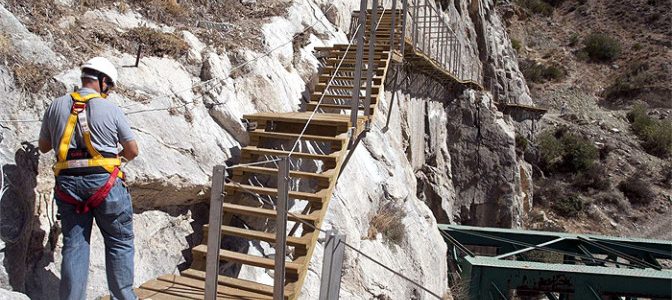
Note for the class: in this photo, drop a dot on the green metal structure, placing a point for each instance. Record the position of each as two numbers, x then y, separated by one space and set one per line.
497 263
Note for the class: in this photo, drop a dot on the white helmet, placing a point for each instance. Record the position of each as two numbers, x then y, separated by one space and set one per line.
101 65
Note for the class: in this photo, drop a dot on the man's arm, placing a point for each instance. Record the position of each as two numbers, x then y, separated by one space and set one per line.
130 150
44 145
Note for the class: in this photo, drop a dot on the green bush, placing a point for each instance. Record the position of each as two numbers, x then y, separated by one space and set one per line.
595 177
521 143
536 6
537 72
562 151
516 44
601 47
579 153
637 190
569 206
574 39
655 135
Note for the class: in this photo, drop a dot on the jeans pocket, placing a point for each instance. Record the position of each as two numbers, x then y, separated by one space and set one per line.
115 215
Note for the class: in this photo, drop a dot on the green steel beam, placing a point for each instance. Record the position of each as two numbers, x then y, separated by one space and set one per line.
495 277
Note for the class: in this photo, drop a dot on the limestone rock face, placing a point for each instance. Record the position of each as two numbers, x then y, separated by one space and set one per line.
423 158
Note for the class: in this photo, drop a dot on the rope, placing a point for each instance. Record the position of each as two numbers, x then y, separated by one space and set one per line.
355 89
305 127
346 244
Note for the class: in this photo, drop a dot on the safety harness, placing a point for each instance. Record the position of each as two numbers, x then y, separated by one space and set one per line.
82 161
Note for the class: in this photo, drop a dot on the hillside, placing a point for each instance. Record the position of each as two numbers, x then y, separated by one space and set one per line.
593 63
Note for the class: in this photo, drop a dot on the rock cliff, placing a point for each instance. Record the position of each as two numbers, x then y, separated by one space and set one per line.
435 153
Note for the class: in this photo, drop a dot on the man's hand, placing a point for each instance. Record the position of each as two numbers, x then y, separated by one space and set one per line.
44 145
130 150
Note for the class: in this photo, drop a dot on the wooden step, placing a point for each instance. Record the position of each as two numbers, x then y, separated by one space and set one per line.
293 136
246 259
238 283
260 235
316 97
272 171
322 86
273 192
345 46
191 288
326 78
278 153
335 120
348 95
328 69
336 61
312 106
265 213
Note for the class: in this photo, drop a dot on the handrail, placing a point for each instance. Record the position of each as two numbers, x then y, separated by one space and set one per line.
428 32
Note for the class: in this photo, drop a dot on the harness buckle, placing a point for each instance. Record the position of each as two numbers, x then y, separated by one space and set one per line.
78 107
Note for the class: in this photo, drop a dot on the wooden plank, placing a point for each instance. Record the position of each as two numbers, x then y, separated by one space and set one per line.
272 152
265 213
293 136
240 284
301 117
246 259
269 237
313 105
223 292
272 171
312 197
315 97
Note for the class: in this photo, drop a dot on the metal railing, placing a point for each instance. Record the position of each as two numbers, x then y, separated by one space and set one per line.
421 25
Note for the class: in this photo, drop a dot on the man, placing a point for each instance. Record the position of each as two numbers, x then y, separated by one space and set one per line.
84 130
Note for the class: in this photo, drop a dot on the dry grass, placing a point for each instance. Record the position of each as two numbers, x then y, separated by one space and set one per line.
30 76
6 46
388 221
155 42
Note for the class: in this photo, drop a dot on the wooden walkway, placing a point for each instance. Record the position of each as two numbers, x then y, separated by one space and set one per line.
327 132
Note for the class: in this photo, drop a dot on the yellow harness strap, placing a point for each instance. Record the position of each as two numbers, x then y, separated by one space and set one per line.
78 115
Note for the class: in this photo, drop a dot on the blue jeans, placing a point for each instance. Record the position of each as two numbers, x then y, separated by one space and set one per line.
115 220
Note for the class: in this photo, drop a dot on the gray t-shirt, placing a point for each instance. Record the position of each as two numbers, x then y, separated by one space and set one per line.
107 123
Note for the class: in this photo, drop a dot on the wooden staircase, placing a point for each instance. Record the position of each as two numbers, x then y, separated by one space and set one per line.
328 134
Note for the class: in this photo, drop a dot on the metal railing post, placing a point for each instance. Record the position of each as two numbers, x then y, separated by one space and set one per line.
357 82
371 66
431 34
332 265
214 232
416 24
403 27
394 23
281 229
424 27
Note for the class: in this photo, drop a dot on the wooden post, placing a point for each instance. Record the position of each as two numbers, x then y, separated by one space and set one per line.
357 82
332 264
371 63
214 232
281 229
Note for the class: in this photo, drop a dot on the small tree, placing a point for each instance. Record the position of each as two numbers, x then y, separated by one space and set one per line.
601 47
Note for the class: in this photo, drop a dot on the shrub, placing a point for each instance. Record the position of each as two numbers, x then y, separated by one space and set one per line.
565 152
637 77
579 154
574 39
388 221
655 135
601 47
594 177
637 190
516 44
568 206
521 143
537 72
536 7
156 42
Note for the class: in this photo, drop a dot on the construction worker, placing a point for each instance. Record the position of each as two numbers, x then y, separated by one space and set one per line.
85 131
